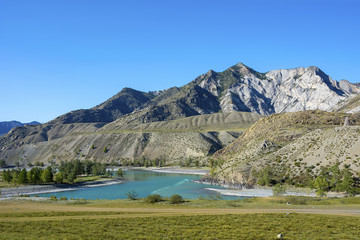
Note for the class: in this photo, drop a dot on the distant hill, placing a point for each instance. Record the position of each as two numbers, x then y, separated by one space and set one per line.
5 127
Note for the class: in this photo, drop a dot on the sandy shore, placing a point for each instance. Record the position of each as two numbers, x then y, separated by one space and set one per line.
49 188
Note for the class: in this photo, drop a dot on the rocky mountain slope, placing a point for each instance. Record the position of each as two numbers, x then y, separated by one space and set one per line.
134 124
6 126
177 140
240 88
292 145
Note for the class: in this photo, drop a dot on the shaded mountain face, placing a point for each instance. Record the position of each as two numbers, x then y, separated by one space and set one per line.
126 101
6 126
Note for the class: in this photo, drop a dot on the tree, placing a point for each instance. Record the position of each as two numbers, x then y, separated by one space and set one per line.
71 177
88 166
132 195
47 175
188 162
265 177
120 173
78 167
14 175
59 177
34 175
105 150
176 199
321 185
109 173
37 175
347 183
279 189
197 163
6 176
2 163
22 177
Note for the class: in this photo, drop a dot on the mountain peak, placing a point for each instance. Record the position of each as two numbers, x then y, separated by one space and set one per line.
313 69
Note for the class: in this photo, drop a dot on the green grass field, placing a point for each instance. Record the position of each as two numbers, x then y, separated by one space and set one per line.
255 218
245 226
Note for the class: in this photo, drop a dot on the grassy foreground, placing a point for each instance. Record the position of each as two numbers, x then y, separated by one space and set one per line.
262 218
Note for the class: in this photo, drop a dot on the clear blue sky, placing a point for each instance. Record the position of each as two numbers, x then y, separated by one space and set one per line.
61 55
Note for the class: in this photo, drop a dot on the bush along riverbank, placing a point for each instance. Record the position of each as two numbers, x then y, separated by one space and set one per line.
329 180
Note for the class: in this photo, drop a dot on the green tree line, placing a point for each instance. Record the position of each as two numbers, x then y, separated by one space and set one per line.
35 175
66 172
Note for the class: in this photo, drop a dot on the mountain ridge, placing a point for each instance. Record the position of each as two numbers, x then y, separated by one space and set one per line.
6 126
237 89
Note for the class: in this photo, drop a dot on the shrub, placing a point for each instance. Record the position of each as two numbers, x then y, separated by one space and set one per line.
153 198
297 200
53 198
176 199
63 198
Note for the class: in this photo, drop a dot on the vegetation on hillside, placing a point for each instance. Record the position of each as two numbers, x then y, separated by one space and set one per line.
303 149
328 179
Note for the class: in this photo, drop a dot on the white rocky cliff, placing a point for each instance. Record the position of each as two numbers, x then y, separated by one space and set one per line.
240 88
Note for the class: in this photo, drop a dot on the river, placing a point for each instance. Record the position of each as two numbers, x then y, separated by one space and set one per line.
145 183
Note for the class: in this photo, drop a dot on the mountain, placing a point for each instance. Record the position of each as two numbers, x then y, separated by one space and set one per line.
192 121
5 127
175 141
291 145
241 88
126 101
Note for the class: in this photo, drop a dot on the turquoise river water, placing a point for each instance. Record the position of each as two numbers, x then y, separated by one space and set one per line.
145 183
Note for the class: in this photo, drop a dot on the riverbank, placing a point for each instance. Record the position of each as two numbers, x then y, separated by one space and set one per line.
178 170
53 188
263 191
